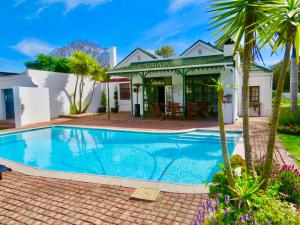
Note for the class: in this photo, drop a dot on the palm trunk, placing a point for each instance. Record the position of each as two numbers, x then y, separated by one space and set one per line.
245 99
225 154
80 94
274 119
294 82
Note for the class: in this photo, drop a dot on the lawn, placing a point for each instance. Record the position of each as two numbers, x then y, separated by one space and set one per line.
291 144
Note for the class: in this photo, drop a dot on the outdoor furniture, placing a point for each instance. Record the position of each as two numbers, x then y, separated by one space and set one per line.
176 113
191 111
206 109
155 108
3 169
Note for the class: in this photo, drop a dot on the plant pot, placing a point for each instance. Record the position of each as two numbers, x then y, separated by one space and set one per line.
137 110
101 110
114 110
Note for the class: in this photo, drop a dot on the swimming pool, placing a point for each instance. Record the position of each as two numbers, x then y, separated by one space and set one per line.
181 158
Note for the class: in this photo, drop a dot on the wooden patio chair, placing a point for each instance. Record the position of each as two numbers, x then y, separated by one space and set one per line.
206 109
176 113
192 111
157 111
3 169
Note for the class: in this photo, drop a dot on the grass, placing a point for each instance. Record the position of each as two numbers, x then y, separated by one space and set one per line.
292 145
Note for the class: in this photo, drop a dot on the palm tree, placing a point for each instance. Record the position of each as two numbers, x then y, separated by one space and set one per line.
294 82
240 19
285 27
227 164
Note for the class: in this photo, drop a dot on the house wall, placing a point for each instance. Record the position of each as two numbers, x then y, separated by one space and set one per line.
31 105
8 82
264 81
61 87
124 105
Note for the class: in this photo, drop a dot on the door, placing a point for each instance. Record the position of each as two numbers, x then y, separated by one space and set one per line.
161 97
9 103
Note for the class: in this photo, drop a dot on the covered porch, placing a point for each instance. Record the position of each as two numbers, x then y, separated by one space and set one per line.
180 88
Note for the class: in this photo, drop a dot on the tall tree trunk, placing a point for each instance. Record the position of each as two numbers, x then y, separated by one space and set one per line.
245 98
225 154
275 117
294 82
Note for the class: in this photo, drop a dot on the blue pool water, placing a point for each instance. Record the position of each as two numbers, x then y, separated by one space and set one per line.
183 158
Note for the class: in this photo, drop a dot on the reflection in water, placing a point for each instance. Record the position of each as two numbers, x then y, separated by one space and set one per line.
187 158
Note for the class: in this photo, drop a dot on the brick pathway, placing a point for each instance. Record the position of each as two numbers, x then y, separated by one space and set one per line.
36 200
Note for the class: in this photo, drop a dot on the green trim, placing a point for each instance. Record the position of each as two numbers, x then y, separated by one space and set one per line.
203 42
167 65
258 68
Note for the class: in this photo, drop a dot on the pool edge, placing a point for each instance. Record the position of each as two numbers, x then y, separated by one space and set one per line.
106 180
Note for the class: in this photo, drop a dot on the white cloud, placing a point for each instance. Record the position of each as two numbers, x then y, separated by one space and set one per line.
69 4
176 5
32 47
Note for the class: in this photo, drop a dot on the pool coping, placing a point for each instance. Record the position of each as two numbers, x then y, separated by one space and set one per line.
116 181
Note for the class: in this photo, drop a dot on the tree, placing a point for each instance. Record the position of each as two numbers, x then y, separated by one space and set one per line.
284 25
237 20
227 164
165 51
85 67
294 82
49 63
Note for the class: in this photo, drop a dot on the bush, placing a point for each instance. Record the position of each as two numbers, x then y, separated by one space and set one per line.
289 121
103 100
288 179
49 63
292 129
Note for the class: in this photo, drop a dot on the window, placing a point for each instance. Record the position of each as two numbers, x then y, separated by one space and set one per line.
125 91
254 94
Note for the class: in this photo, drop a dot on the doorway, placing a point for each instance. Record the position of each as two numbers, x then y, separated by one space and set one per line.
161 97
9 103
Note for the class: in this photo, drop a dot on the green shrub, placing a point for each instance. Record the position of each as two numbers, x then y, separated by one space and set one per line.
72 109
288 179
292 129
289 118
103 100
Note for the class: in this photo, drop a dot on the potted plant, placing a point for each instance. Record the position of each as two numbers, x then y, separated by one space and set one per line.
116 98
137 108
102 109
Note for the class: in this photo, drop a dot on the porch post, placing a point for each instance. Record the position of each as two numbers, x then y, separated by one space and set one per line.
143 93
131 95
108 98
183 87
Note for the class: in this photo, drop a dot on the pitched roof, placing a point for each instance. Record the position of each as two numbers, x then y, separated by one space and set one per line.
173 63
140 49
203 42
255 68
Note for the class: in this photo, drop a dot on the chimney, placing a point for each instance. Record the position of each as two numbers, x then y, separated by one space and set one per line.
229 47
112 57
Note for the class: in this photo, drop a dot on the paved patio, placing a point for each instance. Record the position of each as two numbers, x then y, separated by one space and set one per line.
36 200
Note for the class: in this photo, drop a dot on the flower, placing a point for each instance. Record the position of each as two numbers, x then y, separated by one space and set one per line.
226 212
238 171
227 199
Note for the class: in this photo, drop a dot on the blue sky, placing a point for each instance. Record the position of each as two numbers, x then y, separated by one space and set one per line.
30 27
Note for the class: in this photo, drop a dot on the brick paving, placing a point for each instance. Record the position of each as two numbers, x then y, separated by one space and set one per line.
36 200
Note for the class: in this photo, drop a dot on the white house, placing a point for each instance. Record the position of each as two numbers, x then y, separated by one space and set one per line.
187 78
183 79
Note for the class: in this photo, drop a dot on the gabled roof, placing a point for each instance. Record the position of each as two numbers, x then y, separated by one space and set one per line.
202 42
137 49
255 68
188 62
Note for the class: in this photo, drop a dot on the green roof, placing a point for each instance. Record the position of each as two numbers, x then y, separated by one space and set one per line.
173 63
259 69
